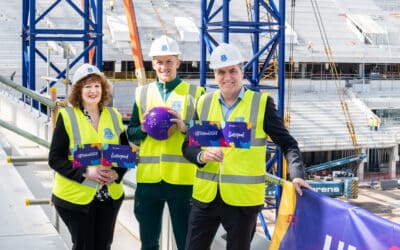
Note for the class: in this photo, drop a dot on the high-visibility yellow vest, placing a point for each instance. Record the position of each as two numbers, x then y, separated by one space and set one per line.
241 176
163 160
80 131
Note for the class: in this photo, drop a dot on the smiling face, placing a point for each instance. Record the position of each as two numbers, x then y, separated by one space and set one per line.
91 91
229 80
166 67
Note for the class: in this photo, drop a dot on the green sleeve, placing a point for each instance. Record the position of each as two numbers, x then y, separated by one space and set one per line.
134 131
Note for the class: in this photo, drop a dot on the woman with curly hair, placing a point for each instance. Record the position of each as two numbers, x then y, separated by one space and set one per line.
87 198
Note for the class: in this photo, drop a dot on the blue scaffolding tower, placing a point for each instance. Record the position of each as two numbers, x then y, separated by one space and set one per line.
217 26
90 35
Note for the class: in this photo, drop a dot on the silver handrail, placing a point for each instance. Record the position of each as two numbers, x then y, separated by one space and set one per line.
25 134
28 92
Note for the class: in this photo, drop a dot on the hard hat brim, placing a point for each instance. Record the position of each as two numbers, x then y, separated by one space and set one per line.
100 74
165 54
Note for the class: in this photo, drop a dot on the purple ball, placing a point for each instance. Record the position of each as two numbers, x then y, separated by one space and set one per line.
158 124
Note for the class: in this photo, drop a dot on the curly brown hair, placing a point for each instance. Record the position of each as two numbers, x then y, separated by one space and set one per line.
75 96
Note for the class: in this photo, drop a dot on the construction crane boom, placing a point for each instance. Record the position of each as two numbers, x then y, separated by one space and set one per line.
328 52
135 42
335 163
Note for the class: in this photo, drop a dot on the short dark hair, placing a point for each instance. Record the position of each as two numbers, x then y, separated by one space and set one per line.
75 96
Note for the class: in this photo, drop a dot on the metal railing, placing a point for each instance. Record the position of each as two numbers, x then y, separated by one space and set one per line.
25 134
50 102
52 105
32 94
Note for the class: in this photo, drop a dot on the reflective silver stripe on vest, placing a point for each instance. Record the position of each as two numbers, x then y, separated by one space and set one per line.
174 158
115 122
143 98
255 104
206 107
74 124
164 158
192 90
243 179
191 103
149 159
207 176
236 179
89 183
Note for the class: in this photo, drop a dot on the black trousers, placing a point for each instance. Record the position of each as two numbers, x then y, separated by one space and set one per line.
204 220
93 230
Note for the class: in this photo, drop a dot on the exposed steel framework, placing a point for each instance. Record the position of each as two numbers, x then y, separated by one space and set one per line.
217 26
90 34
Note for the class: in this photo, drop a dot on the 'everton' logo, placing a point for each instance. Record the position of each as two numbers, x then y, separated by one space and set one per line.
108 134
224 58
177 105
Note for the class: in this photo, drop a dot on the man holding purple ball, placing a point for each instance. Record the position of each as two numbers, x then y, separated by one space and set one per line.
163 174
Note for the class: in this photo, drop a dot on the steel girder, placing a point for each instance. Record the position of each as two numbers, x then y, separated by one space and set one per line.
90 35
267 38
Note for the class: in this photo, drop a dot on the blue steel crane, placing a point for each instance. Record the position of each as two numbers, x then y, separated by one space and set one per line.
90 34
215 20
217 26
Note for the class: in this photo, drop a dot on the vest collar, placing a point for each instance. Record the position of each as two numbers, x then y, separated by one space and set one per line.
238 98
169 86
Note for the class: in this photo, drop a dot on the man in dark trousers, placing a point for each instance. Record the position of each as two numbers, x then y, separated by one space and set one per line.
164 176
229 187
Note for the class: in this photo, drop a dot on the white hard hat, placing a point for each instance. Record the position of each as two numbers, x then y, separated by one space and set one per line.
164 46
85 70
225 55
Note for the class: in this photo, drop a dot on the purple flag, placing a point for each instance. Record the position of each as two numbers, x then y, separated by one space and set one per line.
315 221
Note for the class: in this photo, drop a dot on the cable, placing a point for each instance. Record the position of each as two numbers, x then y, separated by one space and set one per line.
339 88
159 18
